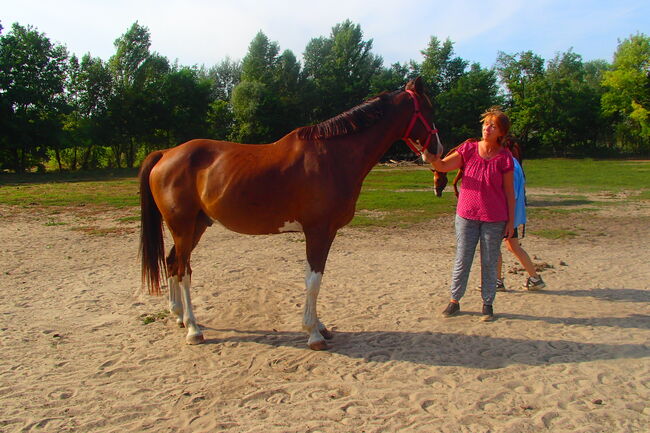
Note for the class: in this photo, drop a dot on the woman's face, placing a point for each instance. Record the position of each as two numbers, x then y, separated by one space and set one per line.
491 131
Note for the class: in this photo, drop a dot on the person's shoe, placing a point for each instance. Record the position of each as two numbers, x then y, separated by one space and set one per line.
534 283
488 313
451 309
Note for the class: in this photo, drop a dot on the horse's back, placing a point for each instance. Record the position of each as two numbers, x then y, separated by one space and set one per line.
253 189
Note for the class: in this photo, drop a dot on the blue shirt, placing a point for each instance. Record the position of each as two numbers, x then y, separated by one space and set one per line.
520 194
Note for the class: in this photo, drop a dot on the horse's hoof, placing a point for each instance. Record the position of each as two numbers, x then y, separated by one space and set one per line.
326 334
180 323
195 339
318 345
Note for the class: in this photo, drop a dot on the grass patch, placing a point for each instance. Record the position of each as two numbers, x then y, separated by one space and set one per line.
390 196
117 188
54 223
588 175
148 318
399 197
134 218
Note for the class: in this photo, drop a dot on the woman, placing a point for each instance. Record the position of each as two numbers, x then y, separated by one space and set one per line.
485 209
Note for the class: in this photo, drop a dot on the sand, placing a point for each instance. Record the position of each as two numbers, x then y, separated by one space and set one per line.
84 350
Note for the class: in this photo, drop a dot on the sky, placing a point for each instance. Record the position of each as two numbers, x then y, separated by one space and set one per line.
205 32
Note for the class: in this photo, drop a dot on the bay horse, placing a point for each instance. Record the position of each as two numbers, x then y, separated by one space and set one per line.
308 181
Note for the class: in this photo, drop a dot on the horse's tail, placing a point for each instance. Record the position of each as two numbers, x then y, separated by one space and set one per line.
152 246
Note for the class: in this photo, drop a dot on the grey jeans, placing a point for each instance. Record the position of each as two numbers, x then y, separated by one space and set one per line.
468 235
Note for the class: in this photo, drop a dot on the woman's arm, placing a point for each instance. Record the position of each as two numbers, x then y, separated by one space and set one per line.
451 162
509 188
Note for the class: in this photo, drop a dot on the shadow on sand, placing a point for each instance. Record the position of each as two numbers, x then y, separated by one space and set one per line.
448 349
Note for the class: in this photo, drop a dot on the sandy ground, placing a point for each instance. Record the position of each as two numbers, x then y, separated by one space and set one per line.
78 355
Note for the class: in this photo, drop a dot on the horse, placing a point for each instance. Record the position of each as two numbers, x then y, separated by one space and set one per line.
308 181
440 178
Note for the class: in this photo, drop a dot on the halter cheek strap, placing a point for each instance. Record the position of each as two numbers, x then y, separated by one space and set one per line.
417 115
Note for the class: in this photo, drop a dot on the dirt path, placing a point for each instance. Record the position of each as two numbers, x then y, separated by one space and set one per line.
77 355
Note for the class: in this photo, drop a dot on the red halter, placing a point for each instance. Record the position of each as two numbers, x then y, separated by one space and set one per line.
417 115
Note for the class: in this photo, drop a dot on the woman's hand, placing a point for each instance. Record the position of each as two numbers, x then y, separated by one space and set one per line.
509 230
429 157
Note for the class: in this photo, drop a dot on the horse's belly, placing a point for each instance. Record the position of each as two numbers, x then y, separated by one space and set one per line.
256 220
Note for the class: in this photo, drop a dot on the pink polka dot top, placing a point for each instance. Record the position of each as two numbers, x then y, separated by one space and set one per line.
482 196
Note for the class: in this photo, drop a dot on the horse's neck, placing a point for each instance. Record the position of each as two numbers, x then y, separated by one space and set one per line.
362 151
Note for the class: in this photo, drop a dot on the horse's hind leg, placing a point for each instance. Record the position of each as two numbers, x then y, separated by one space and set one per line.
194 334
184 243
175 300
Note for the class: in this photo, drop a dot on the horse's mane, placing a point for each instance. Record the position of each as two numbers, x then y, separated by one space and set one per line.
355 119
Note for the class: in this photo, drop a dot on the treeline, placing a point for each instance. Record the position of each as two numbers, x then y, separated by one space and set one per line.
59 111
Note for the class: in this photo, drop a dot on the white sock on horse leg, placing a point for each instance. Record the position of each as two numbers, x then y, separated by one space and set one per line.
194 334
310 322
175 301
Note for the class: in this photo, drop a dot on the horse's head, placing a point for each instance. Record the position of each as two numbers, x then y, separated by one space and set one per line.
439 182
421 130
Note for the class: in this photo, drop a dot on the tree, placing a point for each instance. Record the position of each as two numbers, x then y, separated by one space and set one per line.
518 71
521 74
253 99
88 89
626 100
568 107
266 103
462 105
32 76
185 104
392 78
439 69
224 76
136 106
554 110
342 67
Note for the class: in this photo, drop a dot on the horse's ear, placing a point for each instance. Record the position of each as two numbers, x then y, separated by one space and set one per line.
416 85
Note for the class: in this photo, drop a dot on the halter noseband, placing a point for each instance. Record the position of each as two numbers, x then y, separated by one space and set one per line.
417 115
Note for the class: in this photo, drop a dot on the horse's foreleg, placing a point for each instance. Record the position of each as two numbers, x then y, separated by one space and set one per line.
310 321
194 334
318 245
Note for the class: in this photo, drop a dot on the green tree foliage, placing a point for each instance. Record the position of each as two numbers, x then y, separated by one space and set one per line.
519 73
440 69
266 102
32 77
627 98
89 89
341 67
393 78
185 102
224 77
461 106
92 113
132 68
554 109
568 108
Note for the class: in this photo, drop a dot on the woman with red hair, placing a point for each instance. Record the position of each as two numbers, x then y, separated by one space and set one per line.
485 209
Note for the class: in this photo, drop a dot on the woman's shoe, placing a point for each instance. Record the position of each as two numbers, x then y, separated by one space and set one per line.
488 313
451 309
